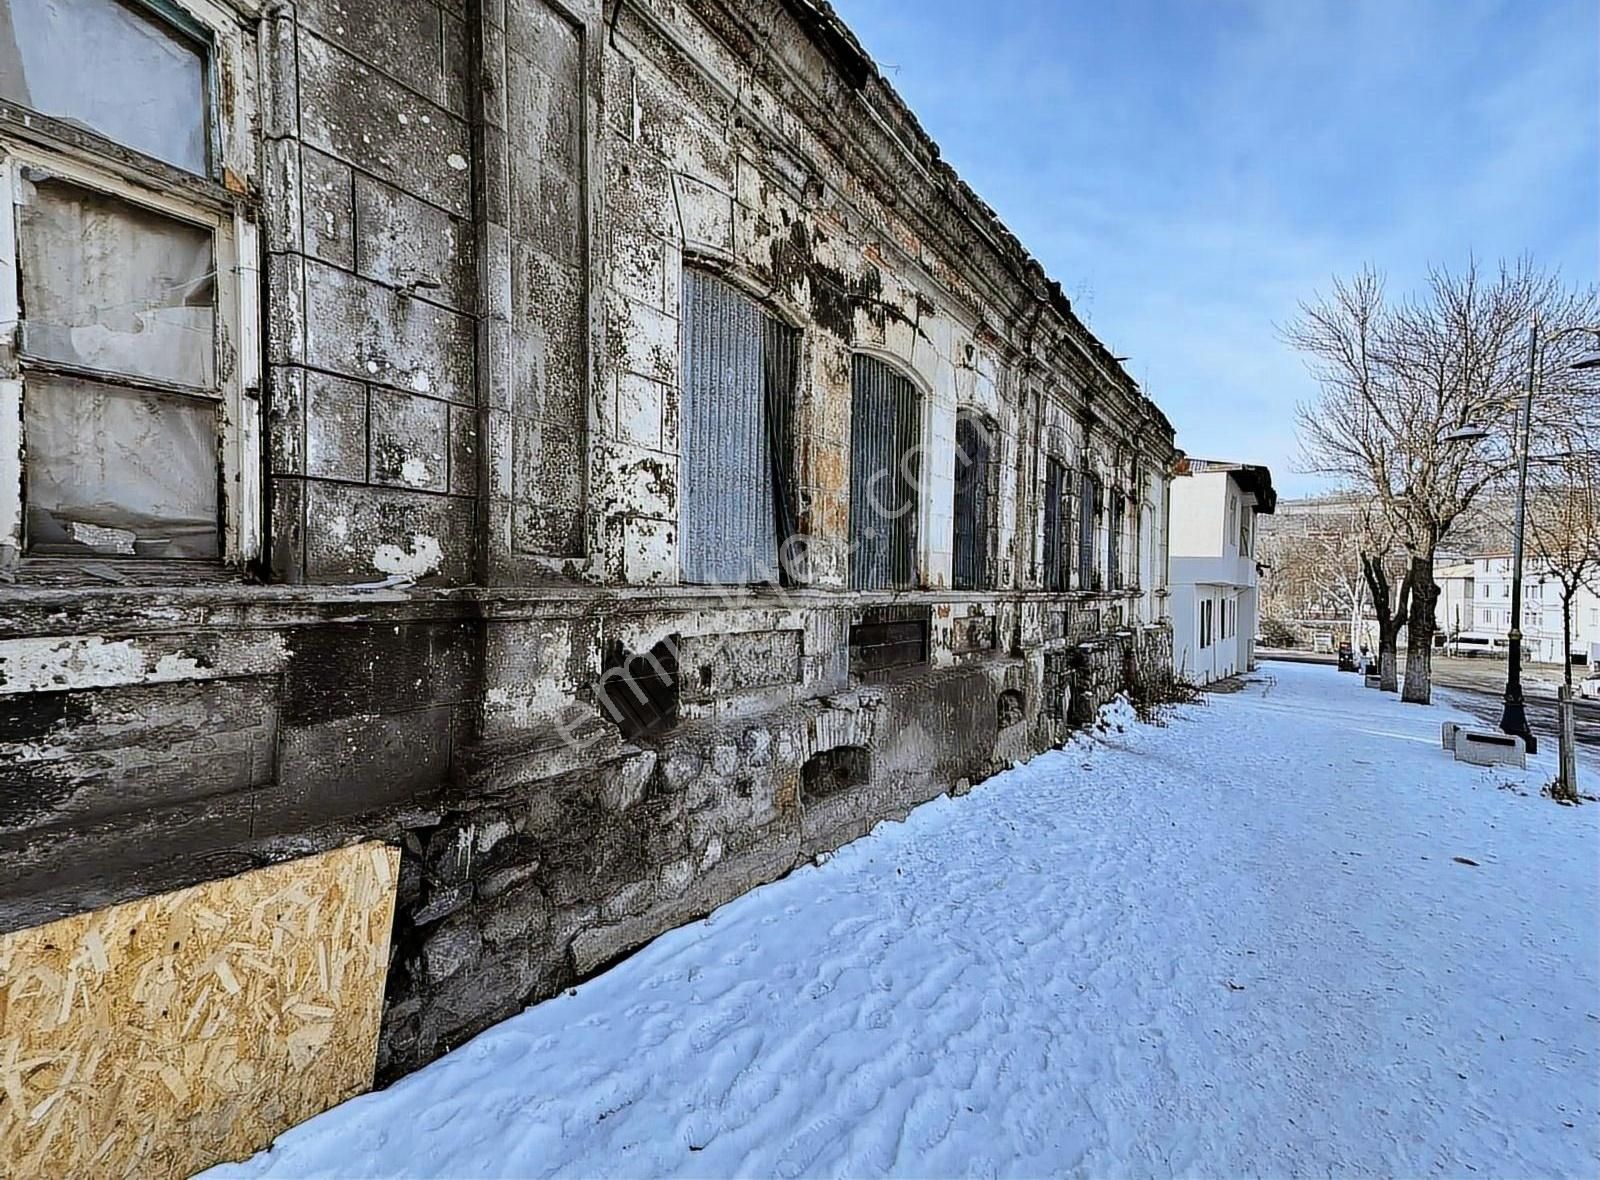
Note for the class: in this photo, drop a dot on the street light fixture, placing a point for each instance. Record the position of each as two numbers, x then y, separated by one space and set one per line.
1467 433
1514 718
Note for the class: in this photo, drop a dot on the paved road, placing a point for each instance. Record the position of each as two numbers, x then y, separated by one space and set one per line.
1478 686
1540 705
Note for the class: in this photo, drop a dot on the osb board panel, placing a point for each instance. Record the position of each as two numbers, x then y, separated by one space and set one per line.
162 1036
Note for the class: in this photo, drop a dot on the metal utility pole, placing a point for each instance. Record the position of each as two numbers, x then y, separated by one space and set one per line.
1514 719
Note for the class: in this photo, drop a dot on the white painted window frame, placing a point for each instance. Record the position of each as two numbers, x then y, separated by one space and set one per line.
236 247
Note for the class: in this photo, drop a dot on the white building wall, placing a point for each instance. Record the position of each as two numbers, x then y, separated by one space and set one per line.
1452 612
1211 578
1487 600
1198 505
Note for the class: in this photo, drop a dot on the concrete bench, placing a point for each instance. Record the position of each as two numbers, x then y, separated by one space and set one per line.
1482 748
1447 735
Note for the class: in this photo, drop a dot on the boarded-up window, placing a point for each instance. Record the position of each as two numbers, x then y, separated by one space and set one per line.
114 293
973 500
1088 512
1056 516
111 286
885 415
133 316
885 638
110 66
735 498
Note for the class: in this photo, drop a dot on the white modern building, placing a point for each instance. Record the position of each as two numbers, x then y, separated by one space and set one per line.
1454 612
1487 590
1213 576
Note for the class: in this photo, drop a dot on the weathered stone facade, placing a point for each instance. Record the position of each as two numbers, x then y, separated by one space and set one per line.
474 219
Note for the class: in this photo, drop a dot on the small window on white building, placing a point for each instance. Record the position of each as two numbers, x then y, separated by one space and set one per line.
117 68
136 329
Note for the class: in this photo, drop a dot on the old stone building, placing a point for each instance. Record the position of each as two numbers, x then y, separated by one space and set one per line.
597 447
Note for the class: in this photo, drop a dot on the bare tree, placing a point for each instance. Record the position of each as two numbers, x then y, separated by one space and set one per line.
1314 573
1389 580
1397 378
1563 533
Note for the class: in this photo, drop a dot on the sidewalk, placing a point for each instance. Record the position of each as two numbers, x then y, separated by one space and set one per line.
1284 935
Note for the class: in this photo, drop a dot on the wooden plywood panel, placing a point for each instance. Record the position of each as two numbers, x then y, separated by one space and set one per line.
168 1034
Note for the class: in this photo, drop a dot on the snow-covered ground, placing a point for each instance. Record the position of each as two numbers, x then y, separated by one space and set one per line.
1241 944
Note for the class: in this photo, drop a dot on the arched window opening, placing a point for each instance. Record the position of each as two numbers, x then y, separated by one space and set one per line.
973 502
885 467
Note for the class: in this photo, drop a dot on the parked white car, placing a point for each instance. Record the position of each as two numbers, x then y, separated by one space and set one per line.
1589 686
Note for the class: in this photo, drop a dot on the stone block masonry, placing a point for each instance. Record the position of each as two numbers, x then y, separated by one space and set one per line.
474 221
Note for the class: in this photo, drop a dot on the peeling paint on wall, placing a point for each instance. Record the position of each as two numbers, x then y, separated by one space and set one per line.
423 557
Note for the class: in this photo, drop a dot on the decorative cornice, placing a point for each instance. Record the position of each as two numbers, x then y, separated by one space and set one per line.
861 119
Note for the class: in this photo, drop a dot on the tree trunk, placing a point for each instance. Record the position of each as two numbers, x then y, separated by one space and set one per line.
1566 636
1391 617
1389 638
1419 633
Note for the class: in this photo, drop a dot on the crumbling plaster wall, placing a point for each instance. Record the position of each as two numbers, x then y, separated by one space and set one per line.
371 291
476 217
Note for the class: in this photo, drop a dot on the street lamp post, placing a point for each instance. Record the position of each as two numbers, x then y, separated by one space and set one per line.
1514 717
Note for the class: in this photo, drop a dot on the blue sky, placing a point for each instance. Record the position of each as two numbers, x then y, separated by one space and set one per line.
1189 171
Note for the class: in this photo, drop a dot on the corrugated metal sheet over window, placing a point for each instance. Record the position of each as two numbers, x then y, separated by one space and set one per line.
734 487
1056 528
972 503
885 413
1088 511
1114 548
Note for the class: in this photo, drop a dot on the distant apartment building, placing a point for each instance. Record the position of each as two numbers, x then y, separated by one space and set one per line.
1453 611
1214 581
1475 599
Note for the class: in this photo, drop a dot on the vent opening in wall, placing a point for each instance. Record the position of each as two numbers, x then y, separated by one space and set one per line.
640 691
1010 709
888 637
1060 668
830 771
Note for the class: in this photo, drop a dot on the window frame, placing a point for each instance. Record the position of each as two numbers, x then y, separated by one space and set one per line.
778 428
216 201
984 500
1091 505
1056 576
1116 524
914 483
